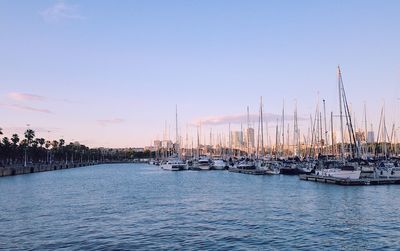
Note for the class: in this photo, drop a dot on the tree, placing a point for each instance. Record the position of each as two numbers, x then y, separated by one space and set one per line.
41 141
54 144
62 142
15 139
29 135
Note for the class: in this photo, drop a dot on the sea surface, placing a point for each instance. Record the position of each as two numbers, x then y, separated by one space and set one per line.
141 207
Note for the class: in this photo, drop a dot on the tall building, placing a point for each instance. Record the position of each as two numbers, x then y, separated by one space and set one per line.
371 137
157 144
237 139
167 144
250 137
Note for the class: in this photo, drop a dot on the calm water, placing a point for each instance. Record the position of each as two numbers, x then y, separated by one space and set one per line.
126 207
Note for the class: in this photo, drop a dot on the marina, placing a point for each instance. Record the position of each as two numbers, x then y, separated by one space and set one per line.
199 125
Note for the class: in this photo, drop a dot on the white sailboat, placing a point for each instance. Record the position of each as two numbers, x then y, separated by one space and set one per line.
174 163
344 171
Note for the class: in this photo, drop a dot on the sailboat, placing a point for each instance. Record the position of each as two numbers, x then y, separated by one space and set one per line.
174 163
343 170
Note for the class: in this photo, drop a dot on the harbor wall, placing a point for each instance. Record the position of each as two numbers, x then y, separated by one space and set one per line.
35 168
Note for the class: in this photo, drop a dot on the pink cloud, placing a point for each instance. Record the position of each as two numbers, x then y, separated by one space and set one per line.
25 108
25 96
106 122
239 118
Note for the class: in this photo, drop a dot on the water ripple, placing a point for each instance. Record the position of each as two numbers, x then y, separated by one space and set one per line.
140 207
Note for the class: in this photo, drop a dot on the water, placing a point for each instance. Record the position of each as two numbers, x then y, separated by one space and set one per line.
132 207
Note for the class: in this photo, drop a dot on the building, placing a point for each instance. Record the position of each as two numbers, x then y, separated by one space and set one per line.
250 137
167 144
157 144
371 137
237 139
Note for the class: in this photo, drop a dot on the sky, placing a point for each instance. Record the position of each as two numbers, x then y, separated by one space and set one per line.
108 73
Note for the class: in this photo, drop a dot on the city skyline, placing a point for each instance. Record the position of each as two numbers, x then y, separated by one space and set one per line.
110 75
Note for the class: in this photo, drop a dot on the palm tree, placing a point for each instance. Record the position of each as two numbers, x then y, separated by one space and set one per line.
29 135
62 142
41 142
6 148
48 153
15 139
54 144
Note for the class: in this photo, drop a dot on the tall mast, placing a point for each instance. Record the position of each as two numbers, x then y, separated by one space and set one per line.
176 124
333 147
198 143
326 131
283 127
230 141
247 133
262 127
341 115
276 140
365 129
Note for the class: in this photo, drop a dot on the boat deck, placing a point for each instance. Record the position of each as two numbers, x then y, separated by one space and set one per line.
349 182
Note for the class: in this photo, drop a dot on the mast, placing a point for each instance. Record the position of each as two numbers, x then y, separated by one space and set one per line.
341 115
276 140
295 131
230 141
247 133
350 128
262 127
333 147
326 131
283 127
176 132
365 129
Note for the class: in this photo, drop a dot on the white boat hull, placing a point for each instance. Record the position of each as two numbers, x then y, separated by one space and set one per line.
338 173
173 167
204 167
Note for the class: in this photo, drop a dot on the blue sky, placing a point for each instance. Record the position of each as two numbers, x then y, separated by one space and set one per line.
110 73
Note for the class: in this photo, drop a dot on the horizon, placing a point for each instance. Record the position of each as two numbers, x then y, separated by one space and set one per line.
110 75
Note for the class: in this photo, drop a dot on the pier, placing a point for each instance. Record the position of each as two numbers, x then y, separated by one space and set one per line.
249 171
36 168
350 182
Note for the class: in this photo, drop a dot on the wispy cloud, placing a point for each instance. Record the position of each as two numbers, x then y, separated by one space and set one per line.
19 96
239 118
25 96
106 122
25 108
60 11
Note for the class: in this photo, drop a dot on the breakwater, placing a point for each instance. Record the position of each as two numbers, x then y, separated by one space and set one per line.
45 167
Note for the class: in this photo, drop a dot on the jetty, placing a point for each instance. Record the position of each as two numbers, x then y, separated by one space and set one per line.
45 167
249 171
351 182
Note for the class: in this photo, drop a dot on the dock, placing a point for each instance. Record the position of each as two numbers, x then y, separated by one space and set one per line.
249 171
350 182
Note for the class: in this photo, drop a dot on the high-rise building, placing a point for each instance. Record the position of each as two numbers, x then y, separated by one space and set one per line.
250 137
237 139
167 144
371 137
157 144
